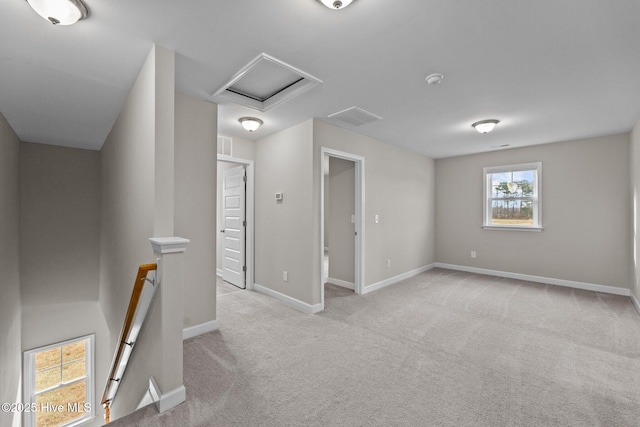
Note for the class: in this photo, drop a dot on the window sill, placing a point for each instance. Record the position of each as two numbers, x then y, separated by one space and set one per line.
511 228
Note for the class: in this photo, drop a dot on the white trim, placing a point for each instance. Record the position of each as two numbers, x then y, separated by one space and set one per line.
396 279
341 283
168 245
166 401
538 279
536 198
359 217
511 228
29 393
306 82
249 207
202 328
635 302
295 303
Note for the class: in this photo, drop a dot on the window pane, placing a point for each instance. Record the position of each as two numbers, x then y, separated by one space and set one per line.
516 184
511 212
47 378
73 351
48 359
73 370
65 398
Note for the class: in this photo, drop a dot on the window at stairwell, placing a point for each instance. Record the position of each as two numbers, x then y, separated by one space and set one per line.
512 196
59 384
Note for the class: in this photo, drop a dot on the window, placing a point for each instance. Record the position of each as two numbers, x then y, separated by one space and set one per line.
512 197
58 384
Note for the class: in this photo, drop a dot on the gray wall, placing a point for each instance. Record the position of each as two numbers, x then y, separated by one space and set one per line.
132 213
284 231
585 212
195 209
399 186
635 213
10 305
341 231
60 224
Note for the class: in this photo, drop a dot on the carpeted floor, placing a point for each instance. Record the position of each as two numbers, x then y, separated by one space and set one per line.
443 348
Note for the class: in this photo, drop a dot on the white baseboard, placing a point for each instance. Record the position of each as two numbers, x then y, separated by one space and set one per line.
203 328
300 305
538 279
166 401
635 302
396 279
342 283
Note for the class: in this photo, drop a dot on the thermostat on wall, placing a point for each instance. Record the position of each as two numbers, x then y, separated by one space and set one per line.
279 197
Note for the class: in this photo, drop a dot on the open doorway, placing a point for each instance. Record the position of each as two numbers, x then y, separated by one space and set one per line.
234 218
342 219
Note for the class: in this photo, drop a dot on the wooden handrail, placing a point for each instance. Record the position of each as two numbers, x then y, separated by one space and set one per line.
134 301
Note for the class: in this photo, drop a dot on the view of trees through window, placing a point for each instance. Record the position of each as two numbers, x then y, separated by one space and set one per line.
512 198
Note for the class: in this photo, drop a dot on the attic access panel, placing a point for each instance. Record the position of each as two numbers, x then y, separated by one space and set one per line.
266 82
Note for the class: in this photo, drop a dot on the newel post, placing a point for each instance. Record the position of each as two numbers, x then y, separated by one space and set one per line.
170 254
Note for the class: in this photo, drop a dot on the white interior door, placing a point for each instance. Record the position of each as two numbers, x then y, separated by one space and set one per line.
233 196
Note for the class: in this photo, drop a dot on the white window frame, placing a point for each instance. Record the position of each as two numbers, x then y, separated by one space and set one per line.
536 198
29 367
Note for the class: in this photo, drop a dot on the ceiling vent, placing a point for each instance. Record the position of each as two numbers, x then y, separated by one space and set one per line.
266 82
354 116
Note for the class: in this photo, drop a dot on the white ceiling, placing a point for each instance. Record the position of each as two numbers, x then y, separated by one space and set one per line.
548 70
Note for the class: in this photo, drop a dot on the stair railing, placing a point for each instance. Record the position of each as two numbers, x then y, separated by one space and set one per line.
144 289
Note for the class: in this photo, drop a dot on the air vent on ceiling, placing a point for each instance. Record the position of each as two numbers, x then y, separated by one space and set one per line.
355 116
266 82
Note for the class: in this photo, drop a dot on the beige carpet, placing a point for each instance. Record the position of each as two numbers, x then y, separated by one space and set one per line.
441 349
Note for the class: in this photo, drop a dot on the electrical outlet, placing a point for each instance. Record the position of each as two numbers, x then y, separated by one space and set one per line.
388 263
473 254
285 276
377 218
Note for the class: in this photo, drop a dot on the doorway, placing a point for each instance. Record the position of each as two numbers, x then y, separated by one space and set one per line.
235 224
341 220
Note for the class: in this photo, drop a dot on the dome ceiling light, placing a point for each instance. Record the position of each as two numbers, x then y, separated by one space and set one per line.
485 126
435 78
336 4
60 12
250 123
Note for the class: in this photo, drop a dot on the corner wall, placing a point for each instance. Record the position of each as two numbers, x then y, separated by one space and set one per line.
635 212
10 303
585 213
195 204
400 188
137 202
283 230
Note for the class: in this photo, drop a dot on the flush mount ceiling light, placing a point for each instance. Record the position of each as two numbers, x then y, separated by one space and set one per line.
250 123
336 4
485 126
435 78
60 12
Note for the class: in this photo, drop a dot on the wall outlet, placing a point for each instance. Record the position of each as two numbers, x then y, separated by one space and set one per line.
388 263
473 254
377 218
285 276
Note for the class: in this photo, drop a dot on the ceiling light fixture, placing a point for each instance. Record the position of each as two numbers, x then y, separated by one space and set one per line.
485 126
336 4
60 12
435 78
250 123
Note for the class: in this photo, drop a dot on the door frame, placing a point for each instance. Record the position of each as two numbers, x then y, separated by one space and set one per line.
359 217
249 207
